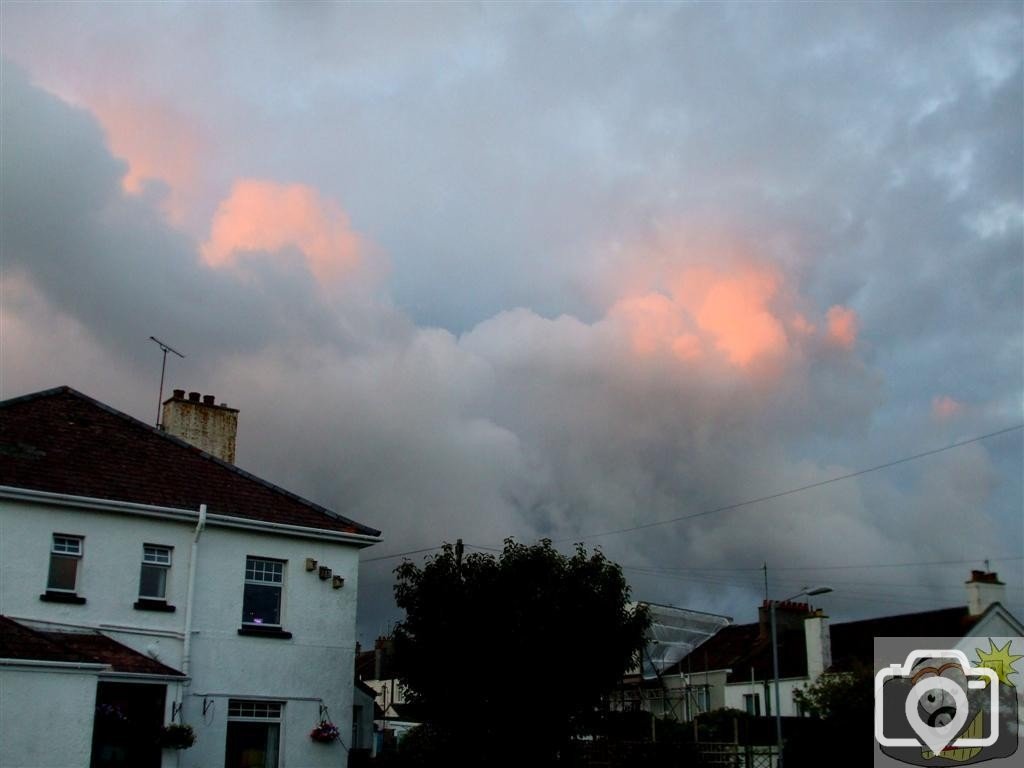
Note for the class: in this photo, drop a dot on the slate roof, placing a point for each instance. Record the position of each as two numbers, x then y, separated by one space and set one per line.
741 647
853 641
20 642
62 441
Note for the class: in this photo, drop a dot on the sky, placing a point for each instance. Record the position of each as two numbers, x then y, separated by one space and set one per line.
573 271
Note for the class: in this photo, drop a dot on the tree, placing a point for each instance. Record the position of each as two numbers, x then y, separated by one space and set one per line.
844 703
504 656
845 697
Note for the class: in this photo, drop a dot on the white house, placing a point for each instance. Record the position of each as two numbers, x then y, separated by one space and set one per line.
736 663
145 580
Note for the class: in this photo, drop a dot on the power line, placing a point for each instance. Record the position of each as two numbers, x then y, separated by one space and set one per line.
845 593
758 500
419 551
400 554
791 491
834 567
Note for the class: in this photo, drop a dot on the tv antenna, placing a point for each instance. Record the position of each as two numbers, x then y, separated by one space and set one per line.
166 348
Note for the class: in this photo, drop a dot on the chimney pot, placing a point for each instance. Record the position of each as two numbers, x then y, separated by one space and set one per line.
208 399
179 394
193 397
985 577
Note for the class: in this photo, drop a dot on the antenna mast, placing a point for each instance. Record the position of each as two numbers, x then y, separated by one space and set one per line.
163 367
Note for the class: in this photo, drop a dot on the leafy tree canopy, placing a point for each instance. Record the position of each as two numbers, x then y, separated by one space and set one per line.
504 655
845 697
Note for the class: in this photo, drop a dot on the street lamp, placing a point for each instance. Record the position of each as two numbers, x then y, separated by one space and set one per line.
809 592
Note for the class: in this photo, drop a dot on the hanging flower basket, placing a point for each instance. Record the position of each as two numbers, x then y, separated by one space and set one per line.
176 736
325 732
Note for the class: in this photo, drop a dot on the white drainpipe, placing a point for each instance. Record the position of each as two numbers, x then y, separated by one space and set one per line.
186 654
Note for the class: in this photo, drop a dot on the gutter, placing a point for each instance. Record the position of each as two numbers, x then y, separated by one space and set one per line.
57 666
186 653
34 623
128 676
183 515
361 539
105 671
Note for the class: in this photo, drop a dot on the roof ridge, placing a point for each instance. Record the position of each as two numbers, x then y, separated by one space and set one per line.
179 442
64 388
38 634
888 617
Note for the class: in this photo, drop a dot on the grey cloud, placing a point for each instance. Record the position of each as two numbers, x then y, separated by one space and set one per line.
112 261
511 162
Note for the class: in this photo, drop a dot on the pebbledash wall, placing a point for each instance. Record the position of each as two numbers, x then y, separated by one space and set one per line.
313 667
46 715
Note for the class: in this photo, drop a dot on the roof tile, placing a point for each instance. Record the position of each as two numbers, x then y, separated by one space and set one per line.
20 642
62 441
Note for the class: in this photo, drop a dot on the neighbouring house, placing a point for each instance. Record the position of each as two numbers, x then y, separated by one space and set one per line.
394 715
145 580
655 685
736 663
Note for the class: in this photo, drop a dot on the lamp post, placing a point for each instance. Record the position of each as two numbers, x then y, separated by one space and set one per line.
806 591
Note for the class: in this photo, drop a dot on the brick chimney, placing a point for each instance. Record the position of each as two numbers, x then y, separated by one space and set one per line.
983 589
383 650
789 615
200 421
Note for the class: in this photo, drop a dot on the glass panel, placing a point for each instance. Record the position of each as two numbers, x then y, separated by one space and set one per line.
267 571
63 570
261 604
156 555
153 581
67 545
261 709
752 704
252 745
702 699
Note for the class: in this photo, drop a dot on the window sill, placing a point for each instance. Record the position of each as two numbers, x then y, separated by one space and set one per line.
276 633
147 604
49 596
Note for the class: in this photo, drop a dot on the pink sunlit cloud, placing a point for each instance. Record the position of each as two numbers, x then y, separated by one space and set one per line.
262 215
843 326
158 143
945 408
709 310
733 308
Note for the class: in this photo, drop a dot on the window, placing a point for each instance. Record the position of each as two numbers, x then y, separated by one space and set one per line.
65 555
261 601
254 734
156 562
702 698
752 703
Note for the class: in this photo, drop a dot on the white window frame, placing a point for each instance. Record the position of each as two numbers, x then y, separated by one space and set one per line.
257 577
255 710
61 546
259 711
156 556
